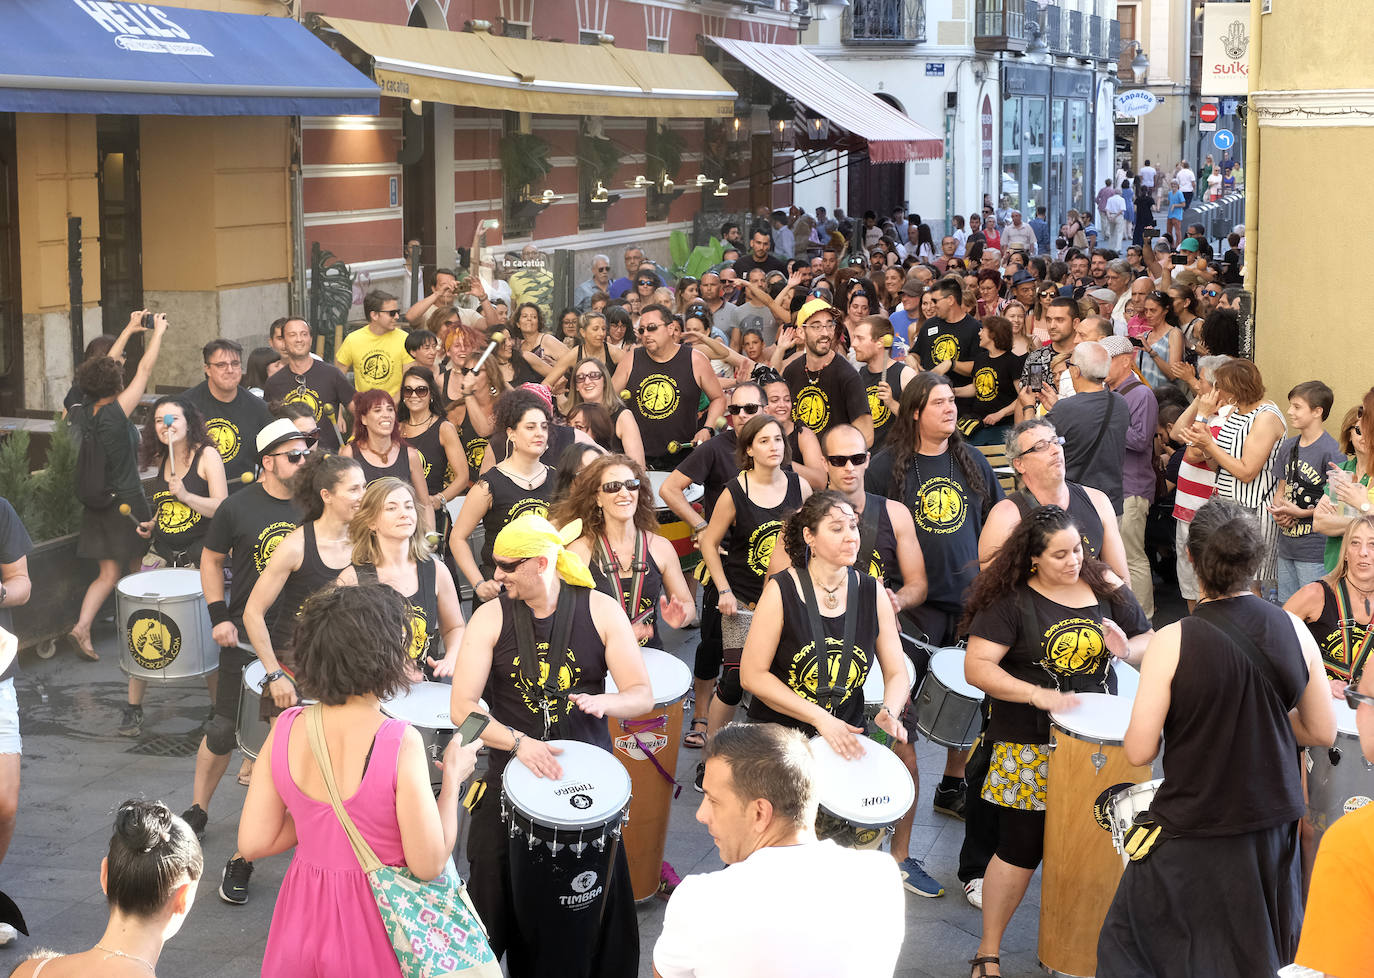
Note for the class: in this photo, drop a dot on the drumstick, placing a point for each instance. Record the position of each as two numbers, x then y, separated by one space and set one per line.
126 510
248 477
496 339
674 446
167 420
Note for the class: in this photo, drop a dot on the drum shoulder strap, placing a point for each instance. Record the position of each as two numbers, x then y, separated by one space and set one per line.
559 635
813 613
868 526
1218 619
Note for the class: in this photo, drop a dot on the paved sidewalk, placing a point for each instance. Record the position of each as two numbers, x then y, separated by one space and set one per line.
76 769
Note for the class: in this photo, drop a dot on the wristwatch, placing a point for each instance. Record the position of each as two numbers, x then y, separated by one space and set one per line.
273 676
1364 508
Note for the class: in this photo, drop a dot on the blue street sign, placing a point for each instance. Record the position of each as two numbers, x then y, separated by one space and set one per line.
935 69
1224 139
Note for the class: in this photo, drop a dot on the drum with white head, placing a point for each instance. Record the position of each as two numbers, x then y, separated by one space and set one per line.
425 706
1339 779
948 707
860 799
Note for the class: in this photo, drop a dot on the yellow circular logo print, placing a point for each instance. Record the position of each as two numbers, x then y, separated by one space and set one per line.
225 434
985 384
154 639
425 464
658 397
877 407
376 369
761 544
173 516
532 693
304 395
804 672
476 450
268 539
944 348
536 506
1074 646
812 408
940 506
419 633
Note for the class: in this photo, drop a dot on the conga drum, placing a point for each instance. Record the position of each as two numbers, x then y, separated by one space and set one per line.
166 625
1339 779
670 525
648 745
948 707
859 800
563 837
1081 869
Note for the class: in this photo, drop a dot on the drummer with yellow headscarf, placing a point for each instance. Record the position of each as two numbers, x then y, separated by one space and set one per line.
539 654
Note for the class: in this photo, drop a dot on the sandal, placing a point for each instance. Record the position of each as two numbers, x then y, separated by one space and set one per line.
245 772
694 738
981 963
85 650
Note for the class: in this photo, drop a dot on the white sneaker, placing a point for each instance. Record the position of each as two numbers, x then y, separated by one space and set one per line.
8 935
973 892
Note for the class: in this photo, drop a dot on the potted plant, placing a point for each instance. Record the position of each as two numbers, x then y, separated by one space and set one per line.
524 162
46 503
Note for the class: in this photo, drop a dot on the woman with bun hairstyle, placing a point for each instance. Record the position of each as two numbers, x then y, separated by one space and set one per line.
149 877
1234 689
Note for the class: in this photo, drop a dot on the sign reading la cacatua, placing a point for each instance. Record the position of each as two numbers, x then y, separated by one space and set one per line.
1135 102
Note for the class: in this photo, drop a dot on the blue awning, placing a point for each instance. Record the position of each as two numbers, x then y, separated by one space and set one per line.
103 57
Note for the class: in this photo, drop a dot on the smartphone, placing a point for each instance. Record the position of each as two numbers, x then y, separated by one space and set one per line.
1150 233
490 224
1036 374
1178 259
471 728
1136 341
147 320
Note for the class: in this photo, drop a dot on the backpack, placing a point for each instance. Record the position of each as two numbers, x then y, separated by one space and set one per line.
92 489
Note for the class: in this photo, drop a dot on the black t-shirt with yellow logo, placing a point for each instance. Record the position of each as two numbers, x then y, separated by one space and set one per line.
233 428
994 382
1344 650
750 540
322 386
883 417
940 341
833 395
509 500
1066 651
177 528
248 526
665 398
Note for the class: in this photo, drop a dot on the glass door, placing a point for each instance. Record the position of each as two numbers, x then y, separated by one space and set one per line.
121 219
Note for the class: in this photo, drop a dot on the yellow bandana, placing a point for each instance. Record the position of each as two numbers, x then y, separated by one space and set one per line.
530 535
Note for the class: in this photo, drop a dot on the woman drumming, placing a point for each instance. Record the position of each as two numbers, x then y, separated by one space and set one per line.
1231 800
189 485
389 548
1040 576
424 428
994 371
518 483
620 544
802 443
471 398
328 489
149 878
821 592
106 536
746 522
1337 608
591 385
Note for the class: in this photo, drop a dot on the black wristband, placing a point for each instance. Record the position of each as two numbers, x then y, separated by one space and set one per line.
219 613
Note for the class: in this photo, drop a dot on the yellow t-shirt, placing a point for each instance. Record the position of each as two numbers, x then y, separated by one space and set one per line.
1340 903
376 361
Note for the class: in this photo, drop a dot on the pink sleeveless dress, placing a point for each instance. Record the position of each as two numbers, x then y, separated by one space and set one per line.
325 922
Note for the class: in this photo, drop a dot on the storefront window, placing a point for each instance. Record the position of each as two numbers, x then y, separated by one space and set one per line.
1078 155
1034 185
1056 195
1011 151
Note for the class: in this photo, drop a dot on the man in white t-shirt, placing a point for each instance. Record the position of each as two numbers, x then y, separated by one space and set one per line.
1147 176
758 917
1187 183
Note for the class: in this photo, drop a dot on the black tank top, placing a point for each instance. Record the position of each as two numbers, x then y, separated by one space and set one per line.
313 575
664 398
516 702
882 416
178 530
433 461
794 662
794 445
508 501
604 571
751 537
1230 756
474 447
1082 510
399 468
1344 651
881 560
424 610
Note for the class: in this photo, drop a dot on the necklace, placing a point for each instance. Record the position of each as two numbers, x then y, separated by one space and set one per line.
527 481
832 598
1362 592
112 953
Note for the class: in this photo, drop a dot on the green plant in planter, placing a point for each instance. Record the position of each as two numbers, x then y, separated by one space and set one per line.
45 500
16 482
694 262
602 155
524 161
667 146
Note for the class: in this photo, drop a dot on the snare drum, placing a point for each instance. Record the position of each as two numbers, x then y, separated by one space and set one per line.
1124 806
859 800
1127 679
648 747
563 840
948 708
671 527
1081 869
873 686
251 729
1339 779
425 706
167 630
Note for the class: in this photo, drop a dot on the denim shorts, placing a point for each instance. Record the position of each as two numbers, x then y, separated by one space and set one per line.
9 719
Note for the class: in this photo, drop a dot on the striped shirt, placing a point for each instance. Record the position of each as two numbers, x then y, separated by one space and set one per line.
1196 483
1231 440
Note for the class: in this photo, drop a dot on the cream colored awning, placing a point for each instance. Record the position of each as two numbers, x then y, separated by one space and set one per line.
479 69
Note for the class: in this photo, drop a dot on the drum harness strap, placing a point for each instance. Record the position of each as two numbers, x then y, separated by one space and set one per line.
1347 624
559 635
610 562
825 690
868 528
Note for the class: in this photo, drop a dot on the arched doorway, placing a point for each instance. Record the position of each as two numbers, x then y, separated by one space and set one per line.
878 187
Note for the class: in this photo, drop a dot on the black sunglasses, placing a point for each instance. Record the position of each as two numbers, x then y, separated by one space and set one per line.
508 566
645 281
743 408
1354 699
649 328
414 391
839 461
611 488
296 455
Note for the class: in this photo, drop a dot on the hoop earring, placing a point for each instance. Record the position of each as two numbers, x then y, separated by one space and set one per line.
510 447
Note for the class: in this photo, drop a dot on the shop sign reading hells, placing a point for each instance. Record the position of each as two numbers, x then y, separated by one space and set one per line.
142 27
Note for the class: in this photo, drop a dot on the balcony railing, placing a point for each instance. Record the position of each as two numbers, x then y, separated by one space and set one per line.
1055 35
884 22
1076 45
1000 25
1097 38
1113 40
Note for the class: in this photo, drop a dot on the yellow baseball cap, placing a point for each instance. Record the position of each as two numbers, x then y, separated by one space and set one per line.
813 306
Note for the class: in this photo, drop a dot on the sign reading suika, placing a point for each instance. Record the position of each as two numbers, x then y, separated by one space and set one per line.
1225 49
142 27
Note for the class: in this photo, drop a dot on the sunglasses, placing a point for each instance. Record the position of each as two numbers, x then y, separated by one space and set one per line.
1354 699
839 461
587 378
650 328
295 456
611 488
507 566
743 408
645 281
390 312
414 391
